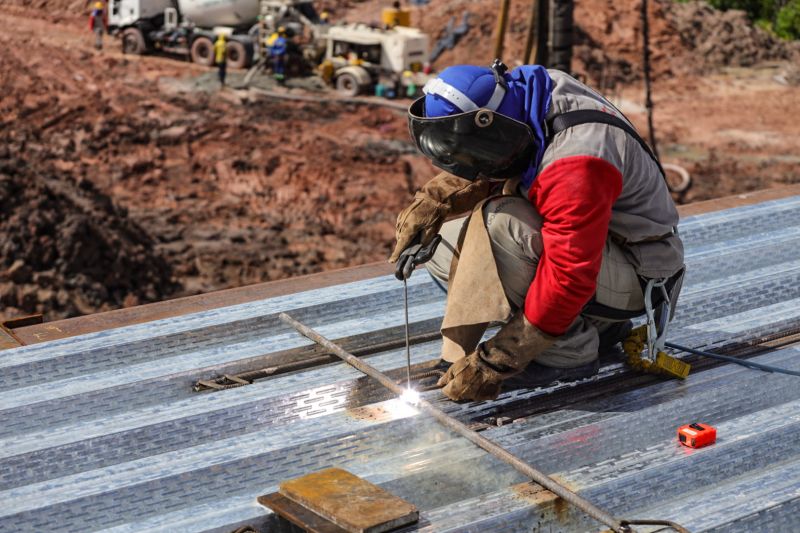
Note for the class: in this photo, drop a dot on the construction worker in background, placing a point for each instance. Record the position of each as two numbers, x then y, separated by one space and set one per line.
97 24
278 47
353 59
408 83
394 16
570 216
220 57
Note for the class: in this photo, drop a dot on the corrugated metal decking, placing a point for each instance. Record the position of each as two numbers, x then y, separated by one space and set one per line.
103 431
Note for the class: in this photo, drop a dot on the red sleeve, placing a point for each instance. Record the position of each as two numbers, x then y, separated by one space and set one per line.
574 195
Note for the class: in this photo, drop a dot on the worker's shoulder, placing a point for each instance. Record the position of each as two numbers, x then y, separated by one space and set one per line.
569 94
591 138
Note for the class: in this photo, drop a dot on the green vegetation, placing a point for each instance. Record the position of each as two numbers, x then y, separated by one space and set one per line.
787 21
779 16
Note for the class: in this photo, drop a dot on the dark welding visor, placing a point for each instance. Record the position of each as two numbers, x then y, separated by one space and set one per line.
479 142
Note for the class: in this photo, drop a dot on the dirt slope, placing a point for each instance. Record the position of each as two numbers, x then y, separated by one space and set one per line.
233 188
210 189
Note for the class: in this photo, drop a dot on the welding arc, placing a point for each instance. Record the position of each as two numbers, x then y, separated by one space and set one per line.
451 423
729 359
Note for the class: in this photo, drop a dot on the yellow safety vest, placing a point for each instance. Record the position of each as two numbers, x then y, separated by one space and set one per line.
219 50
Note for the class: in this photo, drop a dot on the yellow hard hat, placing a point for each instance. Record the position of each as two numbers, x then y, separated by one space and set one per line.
98 5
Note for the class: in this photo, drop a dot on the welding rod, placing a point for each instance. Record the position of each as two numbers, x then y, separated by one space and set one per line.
451 423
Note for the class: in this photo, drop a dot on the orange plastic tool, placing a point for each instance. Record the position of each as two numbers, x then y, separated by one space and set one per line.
697 435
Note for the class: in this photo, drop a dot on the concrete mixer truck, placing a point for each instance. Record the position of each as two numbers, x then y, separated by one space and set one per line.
189 27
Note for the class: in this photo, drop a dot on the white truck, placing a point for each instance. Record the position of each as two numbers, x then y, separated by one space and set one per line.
363 57
189 27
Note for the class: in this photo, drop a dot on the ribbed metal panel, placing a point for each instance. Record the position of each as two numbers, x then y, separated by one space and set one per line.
103 431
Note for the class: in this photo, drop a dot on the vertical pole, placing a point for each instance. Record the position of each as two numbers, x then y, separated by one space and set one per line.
541 56
648 101
502 22
530 42
560 35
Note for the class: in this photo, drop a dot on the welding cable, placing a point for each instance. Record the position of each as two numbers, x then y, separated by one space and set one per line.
743 362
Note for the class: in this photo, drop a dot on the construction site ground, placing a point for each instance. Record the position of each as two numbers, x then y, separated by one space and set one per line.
214 189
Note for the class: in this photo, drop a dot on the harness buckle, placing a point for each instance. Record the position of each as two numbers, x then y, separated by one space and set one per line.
657 318
498 69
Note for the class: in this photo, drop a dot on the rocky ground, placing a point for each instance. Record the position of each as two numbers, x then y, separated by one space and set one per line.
132 179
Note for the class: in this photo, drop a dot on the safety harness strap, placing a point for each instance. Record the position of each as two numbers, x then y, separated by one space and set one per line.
571 119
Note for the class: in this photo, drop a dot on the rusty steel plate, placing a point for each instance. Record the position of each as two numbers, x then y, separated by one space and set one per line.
298 515
350 502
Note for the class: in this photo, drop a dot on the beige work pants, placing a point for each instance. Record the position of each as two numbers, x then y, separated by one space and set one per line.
514 229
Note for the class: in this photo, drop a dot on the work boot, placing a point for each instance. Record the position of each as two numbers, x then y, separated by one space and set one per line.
536 375
615 334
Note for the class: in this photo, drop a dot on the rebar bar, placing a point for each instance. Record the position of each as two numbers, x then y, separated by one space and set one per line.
451 423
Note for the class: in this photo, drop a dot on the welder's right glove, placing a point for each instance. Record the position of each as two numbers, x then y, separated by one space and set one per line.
443 196
479 375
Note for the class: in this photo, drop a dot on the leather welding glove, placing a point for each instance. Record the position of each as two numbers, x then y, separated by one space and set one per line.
478 376
443 196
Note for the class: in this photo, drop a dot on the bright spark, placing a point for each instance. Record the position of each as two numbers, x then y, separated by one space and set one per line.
410 396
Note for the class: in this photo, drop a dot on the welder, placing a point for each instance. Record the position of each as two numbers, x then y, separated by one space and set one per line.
569 216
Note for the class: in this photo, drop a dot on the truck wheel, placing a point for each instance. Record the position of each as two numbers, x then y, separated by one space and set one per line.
202 51
133 41
347 85
236 55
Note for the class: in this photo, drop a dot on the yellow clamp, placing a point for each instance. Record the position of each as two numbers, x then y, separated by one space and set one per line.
664 364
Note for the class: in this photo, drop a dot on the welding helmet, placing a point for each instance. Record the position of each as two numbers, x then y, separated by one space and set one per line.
463 126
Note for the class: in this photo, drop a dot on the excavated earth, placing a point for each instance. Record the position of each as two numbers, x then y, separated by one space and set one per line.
127 179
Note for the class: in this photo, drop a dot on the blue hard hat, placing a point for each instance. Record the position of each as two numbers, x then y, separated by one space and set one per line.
509 109
464 88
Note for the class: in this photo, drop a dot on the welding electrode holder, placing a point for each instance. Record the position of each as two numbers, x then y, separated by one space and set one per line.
415 255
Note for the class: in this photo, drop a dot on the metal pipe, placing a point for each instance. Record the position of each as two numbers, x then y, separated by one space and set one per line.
502 22
451 423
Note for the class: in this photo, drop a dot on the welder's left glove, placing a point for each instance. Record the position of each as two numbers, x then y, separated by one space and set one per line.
478 376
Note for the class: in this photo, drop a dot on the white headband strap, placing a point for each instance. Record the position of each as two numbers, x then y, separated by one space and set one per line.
440 88
497 97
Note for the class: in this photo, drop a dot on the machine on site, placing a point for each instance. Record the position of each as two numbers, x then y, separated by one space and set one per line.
360 57
356 57
189 27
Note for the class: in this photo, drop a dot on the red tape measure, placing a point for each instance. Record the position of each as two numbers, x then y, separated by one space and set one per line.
697 435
